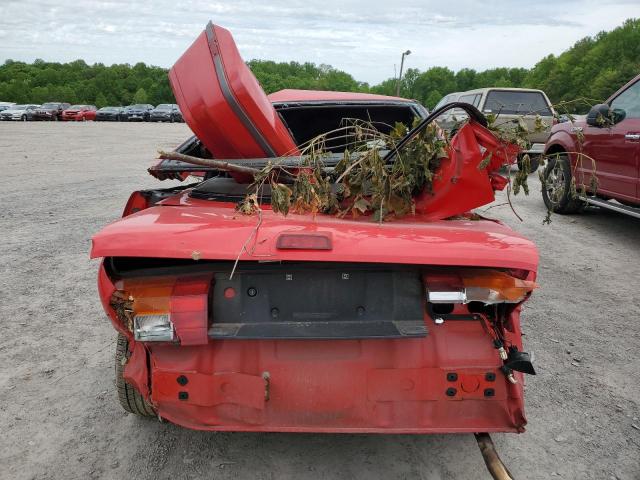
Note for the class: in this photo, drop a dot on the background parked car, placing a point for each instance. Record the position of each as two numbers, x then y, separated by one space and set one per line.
166 112
6 105
610 135
139 112
19 112
50 111
79 113
510 105
447 119
111 114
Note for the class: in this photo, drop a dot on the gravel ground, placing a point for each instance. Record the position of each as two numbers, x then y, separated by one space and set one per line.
59 416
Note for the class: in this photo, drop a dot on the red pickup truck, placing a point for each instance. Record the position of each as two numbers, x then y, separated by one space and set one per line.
605 145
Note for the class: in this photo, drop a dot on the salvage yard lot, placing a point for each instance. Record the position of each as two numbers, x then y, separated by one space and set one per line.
59 416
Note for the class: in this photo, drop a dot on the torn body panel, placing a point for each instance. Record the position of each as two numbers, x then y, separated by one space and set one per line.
448 380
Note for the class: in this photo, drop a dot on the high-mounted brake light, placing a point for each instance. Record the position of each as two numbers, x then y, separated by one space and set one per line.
304 241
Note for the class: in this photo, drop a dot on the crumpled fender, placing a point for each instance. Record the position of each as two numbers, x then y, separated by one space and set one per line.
136 371
461 184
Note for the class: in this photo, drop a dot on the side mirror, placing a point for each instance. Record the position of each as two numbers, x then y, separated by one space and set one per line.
602 115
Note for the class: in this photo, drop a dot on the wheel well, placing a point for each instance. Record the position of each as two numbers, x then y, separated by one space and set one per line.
555 149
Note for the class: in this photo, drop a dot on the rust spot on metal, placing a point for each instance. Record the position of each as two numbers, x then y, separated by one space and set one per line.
267 385
122 304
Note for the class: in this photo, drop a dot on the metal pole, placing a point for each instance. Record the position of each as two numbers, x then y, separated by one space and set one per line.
400 76
491 459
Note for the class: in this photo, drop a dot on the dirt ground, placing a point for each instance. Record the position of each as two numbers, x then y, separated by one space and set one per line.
59 416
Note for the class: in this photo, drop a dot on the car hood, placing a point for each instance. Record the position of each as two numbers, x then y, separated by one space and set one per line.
202 230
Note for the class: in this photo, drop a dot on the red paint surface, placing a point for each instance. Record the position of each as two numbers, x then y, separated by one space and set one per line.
198 92
217 231
79 115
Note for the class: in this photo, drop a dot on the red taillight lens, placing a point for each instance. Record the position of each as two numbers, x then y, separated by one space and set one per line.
137 201
304 241
184 300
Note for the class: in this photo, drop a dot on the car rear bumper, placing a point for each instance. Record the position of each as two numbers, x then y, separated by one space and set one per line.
445 381
536 149
373 386
42 117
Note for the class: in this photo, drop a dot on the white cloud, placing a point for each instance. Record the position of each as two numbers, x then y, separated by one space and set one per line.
364 38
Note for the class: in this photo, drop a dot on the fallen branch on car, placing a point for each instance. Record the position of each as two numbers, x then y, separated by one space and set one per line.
209 162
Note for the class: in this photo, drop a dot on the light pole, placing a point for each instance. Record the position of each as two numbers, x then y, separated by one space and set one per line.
408 52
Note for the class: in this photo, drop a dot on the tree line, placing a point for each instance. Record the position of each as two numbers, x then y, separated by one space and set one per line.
592 68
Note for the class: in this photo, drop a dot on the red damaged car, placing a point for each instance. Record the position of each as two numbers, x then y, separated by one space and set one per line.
79 113
313 323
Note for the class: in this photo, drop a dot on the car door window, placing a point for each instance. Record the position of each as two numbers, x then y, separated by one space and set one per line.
629 101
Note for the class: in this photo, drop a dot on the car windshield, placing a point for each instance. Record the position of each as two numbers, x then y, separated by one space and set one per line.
50 105
18 107
444 101
138 106
109 109
516 103
163 107
76 107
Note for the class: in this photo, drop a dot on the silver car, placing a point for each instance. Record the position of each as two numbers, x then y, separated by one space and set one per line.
508 105
19 112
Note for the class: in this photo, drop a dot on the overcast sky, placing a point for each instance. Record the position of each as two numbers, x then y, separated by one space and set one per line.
364 38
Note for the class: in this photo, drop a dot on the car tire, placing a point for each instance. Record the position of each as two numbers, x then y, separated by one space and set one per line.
129 398
171 120
556 189
23 118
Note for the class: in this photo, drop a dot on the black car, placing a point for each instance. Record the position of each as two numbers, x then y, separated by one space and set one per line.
111 114
50 111
139 112
166 112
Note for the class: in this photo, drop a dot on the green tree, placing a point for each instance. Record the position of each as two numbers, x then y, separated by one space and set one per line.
140 96
101 100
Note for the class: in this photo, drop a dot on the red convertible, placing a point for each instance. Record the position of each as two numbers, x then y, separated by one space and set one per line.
600 155
313 323
79 113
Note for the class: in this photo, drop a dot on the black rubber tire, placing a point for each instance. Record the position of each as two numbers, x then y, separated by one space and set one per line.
129 397
556 192
23 118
